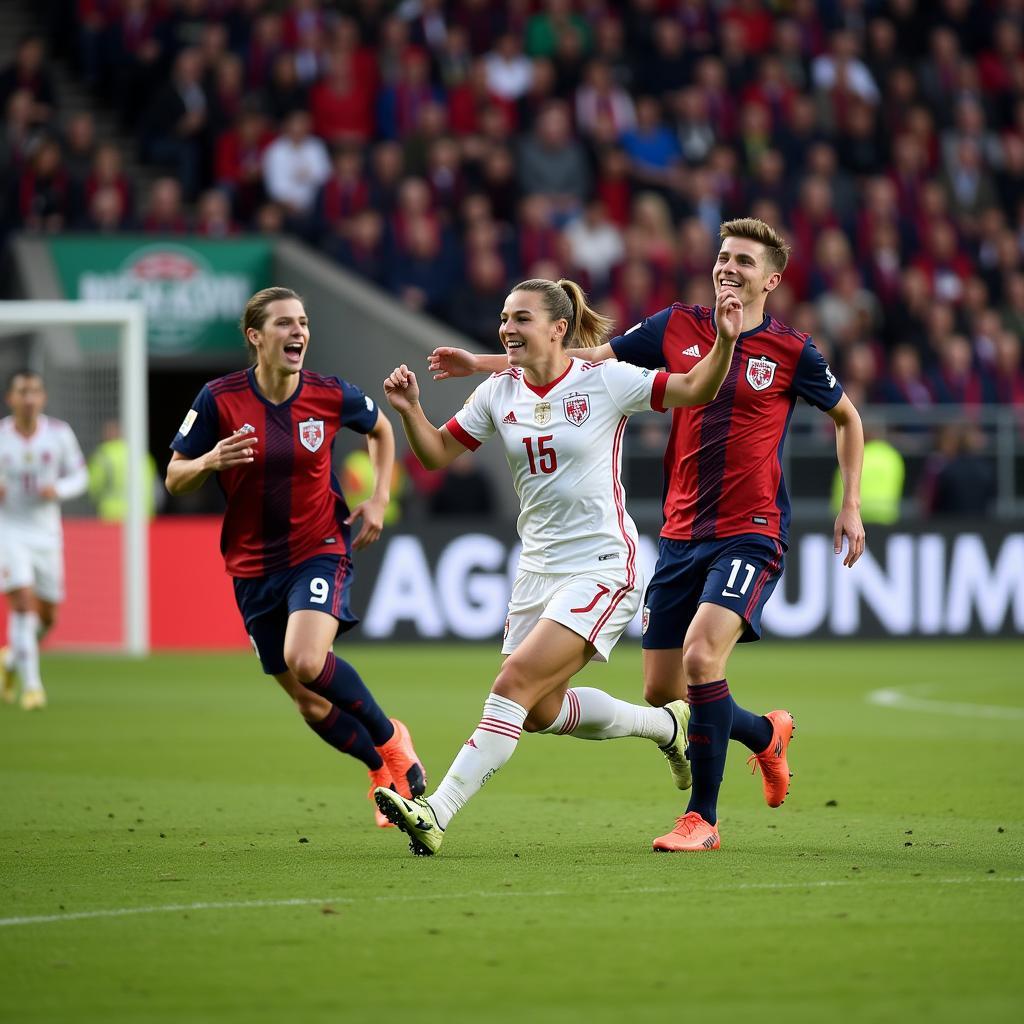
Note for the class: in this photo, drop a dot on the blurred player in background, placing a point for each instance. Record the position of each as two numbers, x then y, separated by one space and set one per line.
268 433
41 465
561 421
726 510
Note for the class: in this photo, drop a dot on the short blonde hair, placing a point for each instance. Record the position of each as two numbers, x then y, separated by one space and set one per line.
566 300
777 249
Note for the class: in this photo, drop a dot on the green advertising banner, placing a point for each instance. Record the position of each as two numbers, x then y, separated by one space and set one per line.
194 290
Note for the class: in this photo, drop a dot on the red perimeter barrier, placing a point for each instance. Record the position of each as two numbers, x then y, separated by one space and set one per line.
191 601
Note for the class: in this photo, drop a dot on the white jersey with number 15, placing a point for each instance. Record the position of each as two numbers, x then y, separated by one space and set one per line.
563 443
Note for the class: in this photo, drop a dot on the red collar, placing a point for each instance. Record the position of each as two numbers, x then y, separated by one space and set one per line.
540 390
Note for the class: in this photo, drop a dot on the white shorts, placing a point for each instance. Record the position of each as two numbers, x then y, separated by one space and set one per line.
25 562
597 605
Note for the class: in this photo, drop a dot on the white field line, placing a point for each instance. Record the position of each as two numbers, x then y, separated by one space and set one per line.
177 908
893 698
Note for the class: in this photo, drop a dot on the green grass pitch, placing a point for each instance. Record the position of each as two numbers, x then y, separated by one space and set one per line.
176 846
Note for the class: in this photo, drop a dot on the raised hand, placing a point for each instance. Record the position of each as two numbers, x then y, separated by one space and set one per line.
728 315
237 450
401 389
451 362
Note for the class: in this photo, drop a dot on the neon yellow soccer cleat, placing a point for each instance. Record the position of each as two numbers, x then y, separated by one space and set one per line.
414 817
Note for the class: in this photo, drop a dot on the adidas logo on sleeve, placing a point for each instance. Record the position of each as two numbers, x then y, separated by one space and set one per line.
693 350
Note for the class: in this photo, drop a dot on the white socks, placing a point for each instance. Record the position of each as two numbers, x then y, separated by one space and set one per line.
493 742
23 634
590 714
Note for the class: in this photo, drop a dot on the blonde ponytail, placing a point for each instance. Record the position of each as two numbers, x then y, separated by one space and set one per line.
565 300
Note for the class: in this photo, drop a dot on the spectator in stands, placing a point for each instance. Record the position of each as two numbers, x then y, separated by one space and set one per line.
363 247
666 66
165 213
283 91
344 194
107 172
652 148
509 70
238 162
1008 369
471 305
106 213
28 72
295 165
341 105
399 103
421 274
20 133
226 90
955 380
595 245
695 132
213 215
387 165
176 123
552 163
601 100
958 480
79 145
904 384
135 57
44 202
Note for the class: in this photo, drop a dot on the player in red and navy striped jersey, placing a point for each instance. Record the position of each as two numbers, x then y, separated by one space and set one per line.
726 510
268 433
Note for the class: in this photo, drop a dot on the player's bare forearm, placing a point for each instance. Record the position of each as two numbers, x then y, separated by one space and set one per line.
380 443
186 475
701 384
598 354
428 443
850 454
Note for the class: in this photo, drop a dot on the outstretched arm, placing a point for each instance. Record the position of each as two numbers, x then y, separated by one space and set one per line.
700 385
447 362
434 448
850 452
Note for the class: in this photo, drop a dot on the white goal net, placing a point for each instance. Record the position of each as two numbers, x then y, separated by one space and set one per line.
92 356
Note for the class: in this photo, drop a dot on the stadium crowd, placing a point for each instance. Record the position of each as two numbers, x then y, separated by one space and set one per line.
445 150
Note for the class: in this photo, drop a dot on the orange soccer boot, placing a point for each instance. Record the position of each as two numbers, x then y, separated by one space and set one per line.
775 773
403 764
381 777
692 834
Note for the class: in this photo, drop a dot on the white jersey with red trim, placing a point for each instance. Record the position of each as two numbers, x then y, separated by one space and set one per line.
563 443
51 457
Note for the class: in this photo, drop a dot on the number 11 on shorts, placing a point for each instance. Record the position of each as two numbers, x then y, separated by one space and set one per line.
750 570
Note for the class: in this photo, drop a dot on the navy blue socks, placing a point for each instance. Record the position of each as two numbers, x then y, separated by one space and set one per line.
753 731
711 708
346 734
340 683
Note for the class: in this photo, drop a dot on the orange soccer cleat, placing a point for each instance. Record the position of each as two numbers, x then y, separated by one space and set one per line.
380 778
775 773
403 764
692 834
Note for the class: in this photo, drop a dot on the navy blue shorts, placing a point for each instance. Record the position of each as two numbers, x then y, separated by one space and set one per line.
738 573
320 584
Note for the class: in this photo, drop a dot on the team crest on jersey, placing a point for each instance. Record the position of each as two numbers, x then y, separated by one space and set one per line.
542 413
577 408
311 434
760 373
645 621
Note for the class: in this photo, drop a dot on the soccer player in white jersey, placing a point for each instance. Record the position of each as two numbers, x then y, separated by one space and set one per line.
561 421
41 465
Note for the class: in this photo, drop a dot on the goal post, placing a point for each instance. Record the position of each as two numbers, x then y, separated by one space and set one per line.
128 319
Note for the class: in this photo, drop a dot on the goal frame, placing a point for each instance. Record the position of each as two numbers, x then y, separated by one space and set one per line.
130 320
